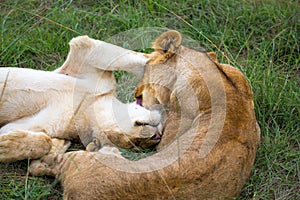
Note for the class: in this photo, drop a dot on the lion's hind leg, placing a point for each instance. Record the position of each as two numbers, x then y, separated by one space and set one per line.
23 144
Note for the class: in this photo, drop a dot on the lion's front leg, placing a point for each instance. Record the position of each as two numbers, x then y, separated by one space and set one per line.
48 164
23 144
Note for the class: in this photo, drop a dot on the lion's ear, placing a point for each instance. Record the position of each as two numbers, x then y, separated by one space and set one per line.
167 44
213 56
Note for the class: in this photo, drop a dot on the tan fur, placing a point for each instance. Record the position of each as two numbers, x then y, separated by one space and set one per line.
76 101
209 142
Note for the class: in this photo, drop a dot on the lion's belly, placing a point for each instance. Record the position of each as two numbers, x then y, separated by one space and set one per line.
18 104
58 120
24 92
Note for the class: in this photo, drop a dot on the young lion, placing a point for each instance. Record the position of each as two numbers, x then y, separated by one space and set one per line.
208 145
76 100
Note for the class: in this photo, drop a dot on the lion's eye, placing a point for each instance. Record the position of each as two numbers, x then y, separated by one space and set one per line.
139 100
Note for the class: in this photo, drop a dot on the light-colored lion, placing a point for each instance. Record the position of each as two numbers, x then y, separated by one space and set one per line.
208 145
76 100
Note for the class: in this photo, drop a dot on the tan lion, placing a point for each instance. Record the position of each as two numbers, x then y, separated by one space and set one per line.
75 101
209 141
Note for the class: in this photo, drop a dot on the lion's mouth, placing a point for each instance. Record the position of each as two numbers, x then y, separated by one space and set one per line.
159 128
158 133
156 136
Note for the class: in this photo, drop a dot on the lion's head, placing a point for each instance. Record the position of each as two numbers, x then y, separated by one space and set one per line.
188 83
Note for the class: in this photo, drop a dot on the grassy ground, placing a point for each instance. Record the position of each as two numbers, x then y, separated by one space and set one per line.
261 37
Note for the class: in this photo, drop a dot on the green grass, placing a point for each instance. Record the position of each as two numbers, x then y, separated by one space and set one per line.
259 37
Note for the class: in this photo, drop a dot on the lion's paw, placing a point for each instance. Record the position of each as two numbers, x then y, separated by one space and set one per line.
19 145
39 168
44 166
94 146
109 150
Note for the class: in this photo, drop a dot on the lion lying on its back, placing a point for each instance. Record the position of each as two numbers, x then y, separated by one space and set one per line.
76 101
208 145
